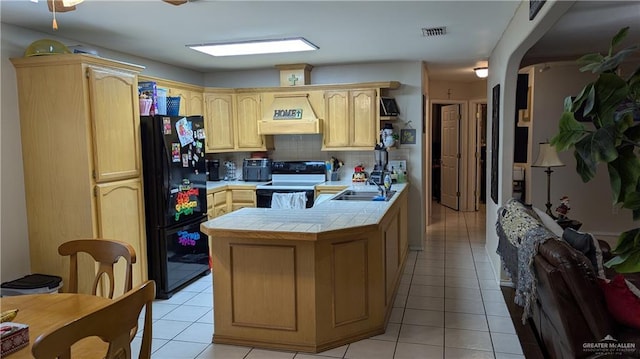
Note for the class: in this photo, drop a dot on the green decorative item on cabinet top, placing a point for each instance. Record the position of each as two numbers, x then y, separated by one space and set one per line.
46 47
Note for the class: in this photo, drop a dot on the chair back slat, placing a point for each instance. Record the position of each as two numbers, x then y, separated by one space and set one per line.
106 252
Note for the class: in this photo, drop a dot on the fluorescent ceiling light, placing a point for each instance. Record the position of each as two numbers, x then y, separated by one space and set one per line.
481 72
255 47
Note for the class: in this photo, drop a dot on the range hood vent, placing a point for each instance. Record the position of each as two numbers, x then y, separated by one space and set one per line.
290 114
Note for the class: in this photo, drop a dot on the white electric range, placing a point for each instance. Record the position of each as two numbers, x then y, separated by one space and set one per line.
291 177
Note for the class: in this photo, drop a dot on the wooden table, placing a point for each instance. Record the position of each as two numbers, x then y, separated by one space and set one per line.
44 312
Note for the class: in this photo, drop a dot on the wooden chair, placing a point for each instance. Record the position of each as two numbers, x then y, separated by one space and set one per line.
104 251
113 324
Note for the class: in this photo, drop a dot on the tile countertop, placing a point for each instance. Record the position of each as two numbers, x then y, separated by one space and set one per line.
328 215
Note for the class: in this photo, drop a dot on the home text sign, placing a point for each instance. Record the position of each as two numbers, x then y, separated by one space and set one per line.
288 114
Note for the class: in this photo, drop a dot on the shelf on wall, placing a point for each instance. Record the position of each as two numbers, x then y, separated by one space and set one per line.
388 118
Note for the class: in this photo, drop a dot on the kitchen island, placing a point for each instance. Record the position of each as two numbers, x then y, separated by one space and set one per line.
307 280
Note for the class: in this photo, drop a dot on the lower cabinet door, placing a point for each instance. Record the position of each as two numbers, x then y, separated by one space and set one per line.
120 216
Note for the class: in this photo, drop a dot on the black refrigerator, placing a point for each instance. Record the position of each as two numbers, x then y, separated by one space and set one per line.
175 193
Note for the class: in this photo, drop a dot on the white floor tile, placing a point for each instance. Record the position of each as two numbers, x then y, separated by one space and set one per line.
390 333
179 350
458 305
201 299
428 280
506 343
497 308
421 334
197 332
168 329
186 313
426 291
412 351
423 317
500 324
335 352
466 321
467 339
425 303
269 354
222 351
370 349
458 353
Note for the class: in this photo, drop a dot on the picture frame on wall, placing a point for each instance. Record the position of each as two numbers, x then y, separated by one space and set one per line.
408 136
495 141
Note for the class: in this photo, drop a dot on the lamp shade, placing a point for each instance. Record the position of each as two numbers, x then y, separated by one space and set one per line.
547 157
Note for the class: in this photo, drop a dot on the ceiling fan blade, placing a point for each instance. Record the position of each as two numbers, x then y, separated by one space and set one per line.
59 6
176 2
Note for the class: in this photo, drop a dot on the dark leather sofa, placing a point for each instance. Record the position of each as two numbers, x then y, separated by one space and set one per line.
570 311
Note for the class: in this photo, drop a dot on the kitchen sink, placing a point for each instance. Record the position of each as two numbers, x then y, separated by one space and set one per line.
351 195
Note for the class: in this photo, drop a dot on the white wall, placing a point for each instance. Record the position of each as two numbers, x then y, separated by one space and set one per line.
590 202
504 62
408 97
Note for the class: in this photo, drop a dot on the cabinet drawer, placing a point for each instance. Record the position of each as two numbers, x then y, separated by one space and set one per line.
243 195
219 198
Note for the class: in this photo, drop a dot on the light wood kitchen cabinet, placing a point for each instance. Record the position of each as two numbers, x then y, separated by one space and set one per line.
120 208
79 121
241 198
351 120
231 122
219 122
248 113
220 205
191 96
191 102
196 103
113 96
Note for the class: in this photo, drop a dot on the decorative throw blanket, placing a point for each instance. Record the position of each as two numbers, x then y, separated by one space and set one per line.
520 232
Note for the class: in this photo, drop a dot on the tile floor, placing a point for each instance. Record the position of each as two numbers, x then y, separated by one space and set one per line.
448 306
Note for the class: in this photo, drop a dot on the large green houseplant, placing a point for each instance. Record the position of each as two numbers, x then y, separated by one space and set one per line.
610 103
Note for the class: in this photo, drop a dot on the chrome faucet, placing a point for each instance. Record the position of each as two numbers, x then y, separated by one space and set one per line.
381 190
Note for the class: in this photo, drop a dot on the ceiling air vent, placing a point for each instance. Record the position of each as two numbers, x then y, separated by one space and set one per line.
434 31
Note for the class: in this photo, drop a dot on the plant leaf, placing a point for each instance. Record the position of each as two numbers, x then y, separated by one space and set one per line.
632 201
612 63
610 91
630 264
622 33
603 144
588 59
585 166
571 131
616 183
627 241
627 165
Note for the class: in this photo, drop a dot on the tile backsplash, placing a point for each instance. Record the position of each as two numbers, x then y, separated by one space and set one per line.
308 147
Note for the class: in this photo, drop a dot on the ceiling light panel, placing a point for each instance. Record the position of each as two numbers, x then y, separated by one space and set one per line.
255 47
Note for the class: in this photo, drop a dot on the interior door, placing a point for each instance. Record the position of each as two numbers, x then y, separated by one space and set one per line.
450 151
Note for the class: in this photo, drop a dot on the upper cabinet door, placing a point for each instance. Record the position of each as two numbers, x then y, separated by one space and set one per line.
196 103
364 124
336 122
218 122
249 112
115 121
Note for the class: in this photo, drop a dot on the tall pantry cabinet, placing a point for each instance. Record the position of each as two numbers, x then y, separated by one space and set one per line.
80 123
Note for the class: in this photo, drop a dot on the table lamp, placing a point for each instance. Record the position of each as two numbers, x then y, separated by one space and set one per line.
548 157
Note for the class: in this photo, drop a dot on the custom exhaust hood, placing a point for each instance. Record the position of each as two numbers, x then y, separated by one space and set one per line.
290 114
